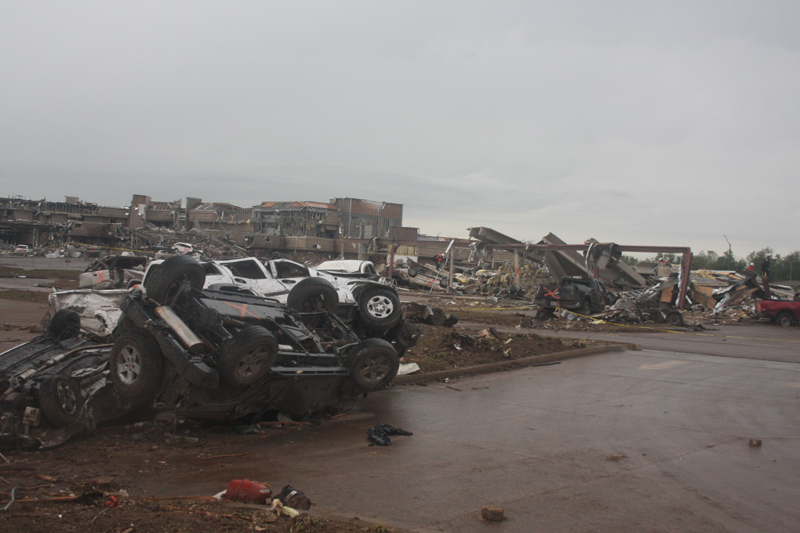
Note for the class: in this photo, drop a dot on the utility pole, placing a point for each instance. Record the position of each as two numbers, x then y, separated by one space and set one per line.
730 254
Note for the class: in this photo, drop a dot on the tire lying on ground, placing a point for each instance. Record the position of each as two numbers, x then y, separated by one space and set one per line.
437 317
379 308
136 366
60 399
674 318
313 294
248 356
173 276
407 335
373 363
65 324
451 320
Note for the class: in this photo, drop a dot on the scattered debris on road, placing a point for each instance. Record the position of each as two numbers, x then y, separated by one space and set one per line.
379 434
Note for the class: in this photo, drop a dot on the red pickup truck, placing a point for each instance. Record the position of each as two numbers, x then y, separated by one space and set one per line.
784 312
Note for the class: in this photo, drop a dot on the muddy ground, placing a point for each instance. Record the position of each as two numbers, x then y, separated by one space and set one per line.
86 484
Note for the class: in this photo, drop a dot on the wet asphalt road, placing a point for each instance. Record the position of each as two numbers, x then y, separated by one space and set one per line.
632 441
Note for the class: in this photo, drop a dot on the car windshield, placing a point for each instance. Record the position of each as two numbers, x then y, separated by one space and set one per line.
285 269
246 269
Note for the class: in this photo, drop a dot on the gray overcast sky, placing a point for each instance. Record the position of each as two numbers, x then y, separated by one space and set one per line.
637 122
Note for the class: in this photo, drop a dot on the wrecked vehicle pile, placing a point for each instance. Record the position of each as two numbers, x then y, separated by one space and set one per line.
202 353
45 381
370 307
581 293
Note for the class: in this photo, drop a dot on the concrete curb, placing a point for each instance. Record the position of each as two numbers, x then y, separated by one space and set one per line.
512 365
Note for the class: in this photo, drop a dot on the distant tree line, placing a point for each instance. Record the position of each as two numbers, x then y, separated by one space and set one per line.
782 268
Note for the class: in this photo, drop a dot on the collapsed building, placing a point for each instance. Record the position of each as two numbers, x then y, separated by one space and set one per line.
150 225
493 264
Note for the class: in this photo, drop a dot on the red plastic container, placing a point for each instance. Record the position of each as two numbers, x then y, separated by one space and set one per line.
243 490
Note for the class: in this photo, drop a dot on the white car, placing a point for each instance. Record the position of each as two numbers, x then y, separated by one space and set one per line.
183 248
350 267
374 305
113 272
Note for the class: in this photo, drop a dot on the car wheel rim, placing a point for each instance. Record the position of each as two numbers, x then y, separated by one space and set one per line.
129 366
251 364
374 369
313 304
380 306
66 398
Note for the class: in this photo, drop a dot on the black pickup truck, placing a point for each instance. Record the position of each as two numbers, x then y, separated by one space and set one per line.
581 294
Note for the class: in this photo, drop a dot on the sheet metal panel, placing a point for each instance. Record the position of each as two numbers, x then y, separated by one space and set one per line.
369 207
403 233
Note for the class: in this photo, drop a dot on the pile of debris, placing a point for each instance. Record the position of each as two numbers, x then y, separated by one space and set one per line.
499 266
203 349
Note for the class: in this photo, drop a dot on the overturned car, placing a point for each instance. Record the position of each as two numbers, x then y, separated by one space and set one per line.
370 306
201 352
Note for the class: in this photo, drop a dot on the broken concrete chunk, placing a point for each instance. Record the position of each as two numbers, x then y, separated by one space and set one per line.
492 513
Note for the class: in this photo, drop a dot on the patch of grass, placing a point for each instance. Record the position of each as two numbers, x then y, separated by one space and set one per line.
38 297
308 524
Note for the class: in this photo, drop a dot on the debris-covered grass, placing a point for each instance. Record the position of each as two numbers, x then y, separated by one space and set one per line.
111 482
442 348
89 514
526 319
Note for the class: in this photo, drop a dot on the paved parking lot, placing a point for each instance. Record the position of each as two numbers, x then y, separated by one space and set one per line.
632 441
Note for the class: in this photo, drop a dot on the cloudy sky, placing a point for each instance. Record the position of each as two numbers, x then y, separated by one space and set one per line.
637 122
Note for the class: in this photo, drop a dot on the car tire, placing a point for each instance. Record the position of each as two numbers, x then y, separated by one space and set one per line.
380 308
65 324
136 366
407 335
585 308
248 356
674 318
313 295
373 363
451 320
412 272
60 399
656 315
437 316
785 319
172 277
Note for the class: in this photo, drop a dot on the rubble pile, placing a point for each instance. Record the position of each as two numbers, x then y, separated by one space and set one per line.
655 292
